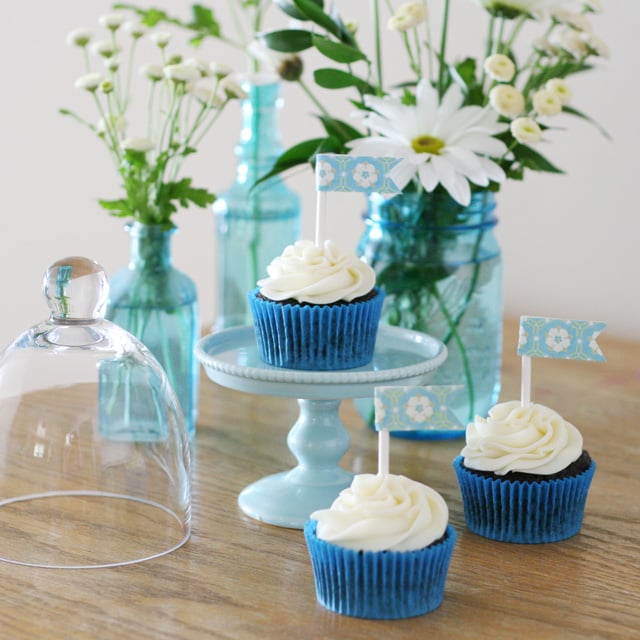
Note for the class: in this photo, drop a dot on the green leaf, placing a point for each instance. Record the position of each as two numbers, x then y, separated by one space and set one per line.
204 21
337 51
316 14
337 79
291 10
574 112
287 40
531 159
339 129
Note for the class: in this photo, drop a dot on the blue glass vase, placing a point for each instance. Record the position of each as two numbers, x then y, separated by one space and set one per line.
253 223
158 304
440 266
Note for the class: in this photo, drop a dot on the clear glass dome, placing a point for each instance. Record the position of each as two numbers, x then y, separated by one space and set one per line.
94 456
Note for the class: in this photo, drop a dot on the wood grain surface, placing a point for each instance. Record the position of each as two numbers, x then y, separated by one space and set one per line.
238 578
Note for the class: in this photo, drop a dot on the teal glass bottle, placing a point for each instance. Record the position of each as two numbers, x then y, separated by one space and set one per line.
253 223
440 266
158 304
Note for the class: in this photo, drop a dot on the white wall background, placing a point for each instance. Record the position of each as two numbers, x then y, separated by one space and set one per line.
569 241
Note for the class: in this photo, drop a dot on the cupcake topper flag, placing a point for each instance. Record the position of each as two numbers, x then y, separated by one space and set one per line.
555 338
410 408
362 174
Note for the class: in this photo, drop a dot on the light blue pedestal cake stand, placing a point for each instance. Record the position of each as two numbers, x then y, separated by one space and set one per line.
319 438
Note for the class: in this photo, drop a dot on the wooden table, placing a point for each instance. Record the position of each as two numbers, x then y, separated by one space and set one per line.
238 578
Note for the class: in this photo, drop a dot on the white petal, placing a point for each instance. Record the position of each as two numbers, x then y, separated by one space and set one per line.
451 103
481 143
468 164
493 171
402 173
426 106
389 107
428 176
376 146
456 184
387 128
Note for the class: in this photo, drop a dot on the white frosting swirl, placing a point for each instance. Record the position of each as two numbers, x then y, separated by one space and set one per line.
319 275
383 512
532 439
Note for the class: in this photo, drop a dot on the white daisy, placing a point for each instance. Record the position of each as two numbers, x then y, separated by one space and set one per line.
442 142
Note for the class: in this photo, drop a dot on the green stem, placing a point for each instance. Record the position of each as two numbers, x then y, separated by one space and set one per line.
375 9
443 47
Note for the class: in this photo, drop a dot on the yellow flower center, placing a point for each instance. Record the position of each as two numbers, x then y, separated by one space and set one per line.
427 144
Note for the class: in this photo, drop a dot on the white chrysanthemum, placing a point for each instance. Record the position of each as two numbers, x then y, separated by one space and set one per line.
79 37
105 48
408 15
595 6
530 7
573 42
545 47
219 69
138 144
572 19
507 100
136 29
231 87
204 95
152 71
181 73
440 141
160 38
112 64
89 81
547 102
112 21
526 130
596 45
203 67
560 87
500 67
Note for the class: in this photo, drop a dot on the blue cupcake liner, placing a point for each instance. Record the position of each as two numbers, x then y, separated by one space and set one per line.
523 512
383 585
316 337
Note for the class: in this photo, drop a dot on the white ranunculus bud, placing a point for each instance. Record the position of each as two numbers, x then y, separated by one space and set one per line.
500 67
181 73
560 88
572 42
106 86
506 100
105 48
79 37
152 71
137 144
417 10
526 130
596 45
136 29
160 38
547 103
112 21
89 81
112 64
232 88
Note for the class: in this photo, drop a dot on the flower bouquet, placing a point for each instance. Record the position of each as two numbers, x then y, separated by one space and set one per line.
183 97
460 128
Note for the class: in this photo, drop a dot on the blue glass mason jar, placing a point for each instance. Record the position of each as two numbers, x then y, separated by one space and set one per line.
253 223
440 266
158 304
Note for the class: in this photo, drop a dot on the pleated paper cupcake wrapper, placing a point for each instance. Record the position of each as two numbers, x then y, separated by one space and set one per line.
382 585
523 512
316 337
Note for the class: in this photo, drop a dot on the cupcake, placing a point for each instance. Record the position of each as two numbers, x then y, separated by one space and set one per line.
318 310
524 475
382 550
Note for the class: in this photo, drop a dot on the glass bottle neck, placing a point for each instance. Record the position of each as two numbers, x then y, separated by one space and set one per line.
260 143
150 246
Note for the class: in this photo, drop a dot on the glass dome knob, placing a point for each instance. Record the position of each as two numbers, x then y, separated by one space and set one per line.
76 290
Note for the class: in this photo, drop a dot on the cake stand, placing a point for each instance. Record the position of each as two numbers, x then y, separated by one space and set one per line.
318 439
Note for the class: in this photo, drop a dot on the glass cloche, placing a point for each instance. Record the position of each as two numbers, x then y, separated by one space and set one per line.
94 457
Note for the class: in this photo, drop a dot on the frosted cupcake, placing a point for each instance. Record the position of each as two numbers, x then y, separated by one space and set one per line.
319 309
523 475
382 550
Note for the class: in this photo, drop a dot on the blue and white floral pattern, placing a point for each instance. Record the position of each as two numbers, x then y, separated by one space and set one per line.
363 174
556 338
414 408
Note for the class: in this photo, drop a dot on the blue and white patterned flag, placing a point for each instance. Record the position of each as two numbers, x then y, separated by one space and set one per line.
414 408
556 338
364 174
